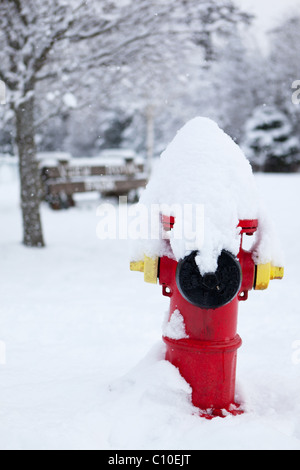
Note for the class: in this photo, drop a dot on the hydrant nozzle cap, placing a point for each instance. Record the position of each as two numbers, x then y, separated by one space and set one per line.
137 266
277 273
213 290
266 273
149 267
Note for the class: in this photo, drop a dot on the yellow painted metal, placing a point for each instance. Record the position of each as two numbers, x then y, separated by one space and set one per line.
277 273
137 266
263 272
149 267
150 270
266 273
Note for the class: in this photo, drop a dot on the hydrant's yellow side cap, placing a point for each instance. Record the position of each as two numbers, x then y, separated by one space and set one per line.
277 273
137 266
266 273
150 270
149 267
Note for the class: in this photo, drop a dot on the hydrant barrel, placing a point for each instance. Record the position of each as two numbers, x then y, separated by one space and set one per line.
210 368
207 356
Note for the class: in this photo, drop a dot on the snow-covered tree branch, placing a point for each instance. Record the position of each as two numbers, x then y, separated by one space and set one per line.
50 39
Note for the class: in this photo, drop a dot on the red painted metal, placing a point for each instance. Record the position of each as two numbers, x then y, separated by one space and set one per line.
207 357
167 222
249 227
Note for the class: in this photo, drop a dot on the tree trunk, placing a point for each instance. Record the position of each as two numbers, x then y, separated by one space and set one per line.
150 137
29 175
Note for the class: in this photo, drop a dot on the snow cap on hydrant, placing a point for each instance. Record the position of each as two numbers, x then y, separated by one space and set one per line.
204 269
204 167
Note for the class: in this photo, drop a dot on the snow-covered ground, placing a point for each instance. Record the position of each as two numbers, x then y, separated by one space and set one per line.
84 358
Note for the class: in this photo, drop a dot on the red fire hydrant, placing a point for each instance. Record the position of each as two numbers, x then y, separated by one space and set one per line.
208 305
206 279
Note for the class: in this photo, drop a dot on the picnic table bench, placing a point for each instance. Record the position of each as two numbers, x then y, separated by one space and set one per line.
112 174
